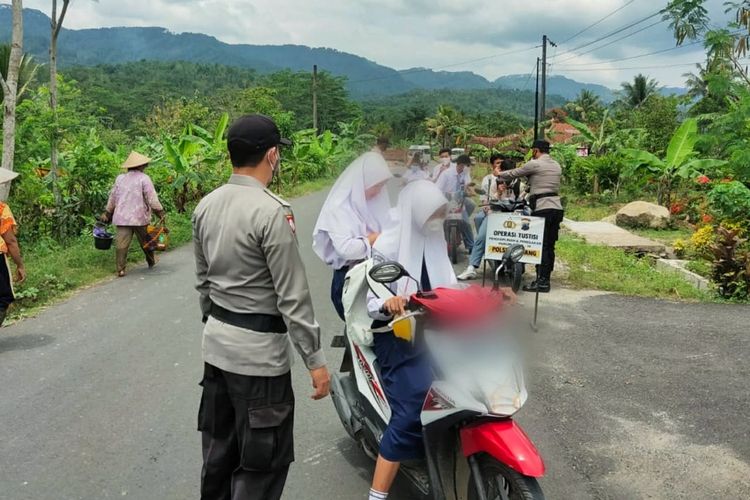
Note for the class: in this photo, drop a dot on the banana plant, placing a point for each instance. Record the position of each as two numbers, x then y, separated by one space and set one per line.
191 156
680 162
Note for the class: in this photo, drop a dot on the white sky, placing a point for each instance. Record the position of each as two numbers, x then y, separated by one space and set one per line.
429 33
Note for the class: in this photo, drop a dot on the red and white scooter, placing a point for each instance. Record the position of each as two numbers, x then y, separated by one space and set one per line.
474 449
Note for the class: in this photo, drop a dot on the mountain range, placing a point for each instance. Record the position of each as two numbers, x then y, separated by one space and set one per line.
366 79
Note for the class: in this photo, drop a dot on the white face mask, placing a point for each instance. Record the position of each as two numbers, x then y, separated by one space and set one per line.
445 161
434 225
276 167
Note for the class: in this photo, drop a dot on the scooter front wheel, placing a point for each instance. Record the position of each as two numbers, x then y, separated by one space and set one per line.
500 482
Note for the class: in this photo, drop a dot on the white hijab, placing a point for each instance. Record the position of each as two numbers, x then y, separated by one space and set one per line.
409 241
346 211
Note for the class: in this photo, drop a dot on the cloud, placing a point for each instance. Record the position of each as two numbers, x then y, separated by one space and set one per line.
428 33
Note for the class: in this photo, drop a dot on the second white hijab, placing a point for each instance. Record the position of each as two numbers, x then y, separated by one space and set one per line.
410 242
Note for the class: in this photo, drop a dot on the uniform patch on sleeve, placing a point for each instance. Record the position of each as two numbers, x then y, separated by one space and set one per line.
290 221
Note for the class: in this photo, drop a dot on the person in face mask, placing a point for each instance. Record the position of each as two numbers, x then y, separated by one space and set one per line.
351 219
418 243
444 163
255 300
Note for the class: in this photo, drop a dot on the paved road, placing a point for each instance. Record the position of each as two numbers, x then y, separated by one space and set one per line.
630 398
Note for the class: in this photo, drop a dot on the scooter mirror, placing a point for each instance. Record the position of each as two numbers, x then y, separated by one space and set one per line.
515 252
388 272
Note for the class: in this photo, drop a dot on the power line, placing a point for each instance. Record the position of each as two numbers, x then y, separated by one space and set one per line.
613 33
640 55
626 68
424 70
584 30
574 56
531 73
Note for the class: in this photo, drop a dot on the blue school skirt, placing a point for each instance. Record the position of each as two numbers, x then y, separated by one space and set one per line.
407 377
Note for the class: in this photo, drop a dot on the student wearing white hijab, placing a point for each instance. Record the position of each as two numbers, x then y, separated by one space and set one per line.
353 216
417 242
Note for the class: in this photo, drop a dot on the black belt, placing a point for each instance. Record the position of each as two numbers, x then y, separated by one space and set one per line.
536 197
267 323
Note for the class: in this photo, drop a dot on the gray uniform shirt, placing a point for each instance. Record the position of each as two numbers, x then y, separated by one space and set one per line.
544 177
248 261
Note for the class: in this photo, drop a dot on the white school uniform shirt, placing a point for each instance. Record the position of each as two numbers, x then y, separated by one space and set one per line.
451 181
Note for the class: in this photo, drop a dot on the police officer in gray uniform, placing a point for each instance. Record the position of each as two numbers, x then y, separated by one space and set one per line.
255 298
544 176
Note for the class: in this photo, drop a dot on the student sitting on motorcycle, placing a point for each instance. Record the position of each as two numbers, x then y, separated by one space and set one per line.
504 191
456 181
418 243
353 216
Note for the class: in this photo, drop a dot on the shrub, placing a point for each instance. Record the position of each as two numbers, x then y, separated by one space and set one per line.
730 201
731 264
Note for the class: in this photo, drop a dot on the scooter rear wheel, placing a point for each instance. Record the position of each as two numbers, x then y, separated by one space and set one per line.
500 481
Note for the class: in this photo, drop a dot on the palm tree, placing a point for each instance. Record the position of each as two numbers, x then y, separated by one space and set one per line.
635 93
696 84
443 126
586 107
26 72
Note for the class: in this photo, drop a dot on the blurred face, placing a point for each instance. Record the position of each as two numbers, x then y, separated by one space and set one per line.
496 166
460 168
375 190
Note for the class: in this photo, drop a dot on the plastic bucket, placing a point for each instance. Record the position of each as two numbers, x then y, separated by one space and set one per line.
102 243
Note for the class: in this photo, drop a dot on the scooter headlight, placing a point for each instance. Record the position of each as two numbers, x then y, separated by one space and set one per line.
504 401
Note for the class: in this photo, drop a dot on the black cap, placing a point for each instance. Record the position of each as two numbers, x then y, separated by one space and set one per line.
258 132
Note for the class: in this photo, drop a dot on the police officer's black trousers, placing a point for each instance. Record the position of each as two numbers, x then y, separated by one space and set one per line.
247 428
552 220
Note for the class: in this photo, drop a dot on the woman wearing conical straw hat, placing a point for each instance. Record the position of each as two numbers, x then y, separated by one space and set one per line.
131 202
8 247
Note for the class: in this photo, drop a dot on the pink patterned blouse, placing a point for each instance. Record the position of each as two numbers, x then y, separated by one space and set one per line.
132 199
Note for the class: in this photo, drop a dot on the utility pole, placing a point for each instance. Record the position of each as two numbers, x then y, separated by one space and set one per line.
536 104
315 97
543 107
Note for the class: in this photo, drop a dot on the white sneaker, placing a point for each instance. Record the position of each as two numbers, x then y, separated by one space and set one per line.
469 274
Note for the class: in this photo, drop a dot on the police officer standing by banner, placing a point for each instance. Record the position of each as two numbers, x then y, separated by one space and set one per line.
255 298
544 175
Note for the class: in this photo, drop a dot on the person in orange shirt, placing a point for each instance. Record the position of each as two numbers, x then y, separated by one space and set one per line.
8 246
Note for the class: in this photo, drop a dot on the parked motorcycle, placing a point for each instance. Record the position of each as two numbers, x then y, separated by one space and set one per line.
505 270
474 450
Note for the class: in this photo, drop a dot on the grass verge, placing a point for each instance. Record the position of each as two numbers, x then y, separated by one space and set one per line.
57 270
665 236
609 269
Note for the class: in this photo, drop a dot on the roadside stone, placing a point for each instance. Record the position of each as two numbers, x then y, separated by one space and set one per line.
643 214
612 219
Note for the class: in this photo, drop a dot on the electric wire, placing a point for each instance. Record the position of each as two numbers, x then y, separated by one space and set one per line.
584 30
574 56
611 34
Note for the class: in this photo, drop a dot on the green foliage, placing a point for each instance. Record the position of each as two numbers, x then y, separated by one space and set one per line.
657 117
730 201
636 92
731 264
679 164
26 71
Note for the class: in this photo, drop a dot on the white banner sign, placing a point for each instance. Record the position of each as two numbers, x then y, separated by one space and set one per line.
504 230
